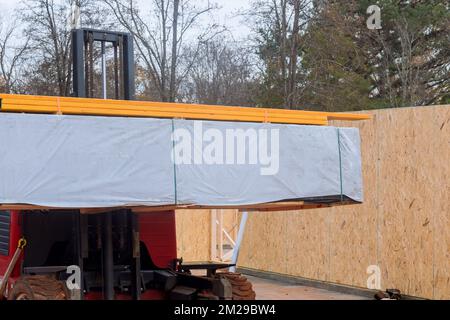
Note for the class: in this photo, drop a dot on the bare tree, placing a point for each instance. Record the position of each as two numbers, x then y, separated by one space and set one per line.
160 38
223 73
279 25
47 24
11 57
293 54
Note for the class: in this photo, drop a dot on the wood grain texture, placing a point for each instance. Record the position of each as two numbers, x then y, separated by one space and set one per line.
193 235
308 244
265 242
407 202
441 221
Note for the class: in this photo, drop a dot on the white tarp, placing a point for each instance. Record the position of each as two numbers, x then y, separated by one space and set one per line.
86 162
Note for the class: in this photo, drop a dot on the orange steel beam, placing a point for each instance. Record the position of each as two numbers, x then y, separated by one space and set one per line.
126 108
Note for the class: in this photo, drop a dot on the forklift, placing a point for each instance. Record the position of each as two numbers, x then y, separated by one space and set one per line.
104 253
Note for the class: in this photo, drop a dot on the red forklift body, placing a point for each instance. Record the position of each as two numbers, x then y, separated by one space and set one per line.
157 232
10 234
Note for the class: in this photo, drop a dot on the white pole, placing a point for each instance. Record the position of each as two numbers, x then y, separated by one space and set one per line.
103 70
239 240
220 234
74 19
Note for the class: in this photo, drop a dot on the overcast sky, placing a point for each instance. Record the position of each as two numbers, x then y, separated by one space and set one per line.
227 15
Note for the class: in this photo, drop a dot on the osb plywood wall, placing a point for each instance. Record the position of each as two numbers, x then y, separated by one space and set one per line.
194 232
403 226
194 235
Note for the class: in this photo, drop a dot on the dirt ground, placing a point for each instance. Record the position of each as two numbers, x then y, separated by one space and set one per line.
275 290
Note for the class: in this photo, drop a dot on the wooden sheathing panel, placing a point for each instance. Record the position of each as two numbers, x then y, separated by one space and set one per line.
265 242
308 244
440 166
441 208
194 234
353 229
353 245
407 187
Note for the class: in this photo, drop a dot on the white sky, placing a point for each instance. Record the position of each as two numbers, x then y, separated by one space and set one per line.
227 15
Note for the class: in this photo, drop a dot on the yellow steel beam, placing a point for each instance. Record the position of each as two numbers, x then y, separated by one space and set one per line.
103 108
195 110
161 109
83 106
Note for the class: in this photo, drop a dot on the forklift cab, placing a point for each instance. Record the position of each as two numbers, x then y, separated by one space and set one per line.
106 247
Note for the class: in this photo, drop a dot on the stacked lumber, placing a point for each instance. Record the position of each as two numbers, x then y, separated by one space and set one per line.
75 161
84 160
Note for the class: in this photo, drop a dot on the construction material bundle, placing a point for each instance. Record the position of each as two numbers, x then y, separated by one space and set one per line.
92 161
100 107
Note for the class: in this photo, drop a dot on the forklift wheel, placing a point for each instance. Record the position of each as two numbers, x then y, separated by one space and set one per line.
242 288
38 288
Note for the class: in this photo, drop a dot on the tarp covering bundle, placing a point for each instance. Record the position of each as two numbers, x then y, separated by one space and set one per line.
91 162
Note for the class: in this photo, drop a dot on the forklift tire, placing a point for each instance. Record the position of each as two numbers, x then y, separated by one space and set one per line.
38 288
242 288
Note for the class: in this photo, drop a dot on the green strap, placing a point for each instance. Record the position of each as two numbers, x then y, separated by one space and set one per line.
174 163
340 164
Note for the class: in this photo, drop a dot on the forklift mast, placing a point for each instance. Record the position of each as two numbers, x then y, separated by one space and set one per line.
83 53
